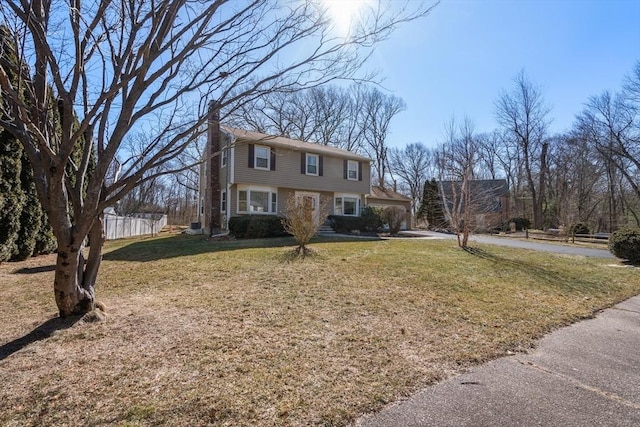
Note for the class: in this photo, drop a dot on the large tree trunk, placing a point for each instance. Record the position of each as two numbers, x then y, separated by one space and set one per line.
74 283
71 297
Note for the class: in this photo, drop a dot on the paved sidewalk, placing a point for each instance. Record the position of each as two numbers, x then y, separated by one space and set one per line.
587 374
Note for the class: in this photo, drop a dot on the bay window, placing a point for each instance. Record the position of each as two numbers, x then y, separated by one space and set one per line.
347 204
263 200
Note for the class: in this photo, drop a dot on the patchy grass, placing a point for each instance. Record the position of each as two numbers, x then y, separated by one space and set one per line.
240 333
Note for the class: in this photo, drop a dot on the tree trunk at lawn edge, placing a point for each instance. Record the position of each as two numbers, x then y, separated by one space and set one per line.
74 283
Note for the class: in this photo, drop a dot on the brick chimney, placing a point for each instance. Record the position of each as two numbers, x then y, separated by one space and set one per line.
212 194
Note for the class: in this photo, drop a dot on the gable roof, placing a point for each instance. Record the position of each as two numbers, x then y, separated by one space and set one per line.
378 192
292 144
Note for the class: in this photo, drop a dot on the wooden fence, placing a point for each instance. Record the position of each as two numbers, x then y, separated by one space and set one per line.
558 235
118 227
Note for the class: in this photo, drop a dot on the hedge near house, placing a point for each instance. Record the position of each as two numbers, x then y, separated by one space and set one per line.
255 226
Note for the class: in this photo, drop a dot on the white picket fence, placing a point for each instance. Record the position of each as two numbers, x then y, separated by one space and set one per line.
118 227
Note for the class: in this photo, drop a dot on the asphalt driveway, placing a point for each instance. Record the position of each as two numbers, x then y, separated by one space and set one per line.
582 375
523 244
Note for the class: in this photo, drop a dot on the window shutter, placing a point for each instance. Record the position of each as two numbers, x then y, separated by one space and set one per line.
251 156
303 163
320 165
345 168
273 159
359 171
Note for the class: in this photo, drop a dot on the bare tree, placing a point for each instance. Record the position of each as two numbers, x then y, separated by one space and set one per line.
351 133
312 115
331 107
455 160
327 115
523 114
412 165
631 87
611 123
394 216
303 219
378 111
576 181
124 67
488 145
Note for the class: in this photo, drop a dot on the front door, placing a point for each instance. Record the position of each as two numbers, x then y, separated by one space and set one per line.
311 202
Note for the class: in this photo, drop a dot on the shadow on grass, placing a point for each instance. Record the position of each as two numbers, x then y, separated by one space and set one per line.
185 245
40 333
627 263
35 270
547 275
298 255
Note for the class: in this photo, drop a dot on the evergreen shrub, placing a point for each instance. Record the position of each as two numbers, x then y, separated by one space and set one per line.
625 244
256 226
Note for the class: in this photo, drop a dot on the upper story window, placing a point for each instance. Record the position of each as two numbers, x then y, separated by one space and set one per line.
352 170
223 157
312 164
262 157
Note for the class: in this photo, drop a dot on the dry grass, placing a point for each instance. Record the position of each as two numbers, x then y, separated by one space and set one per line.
240 333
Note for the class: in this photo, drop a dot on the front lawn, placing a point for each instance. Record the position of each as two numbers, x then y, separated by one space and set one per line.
241 333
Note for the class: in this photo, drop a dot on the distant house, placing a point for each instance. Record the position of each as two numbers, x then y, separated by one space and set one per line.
383 197
489 201
252 173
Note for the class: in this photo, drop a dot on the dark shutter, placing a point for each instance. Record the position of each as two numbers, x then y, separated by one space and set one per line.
320 165
359 171
273 159
303 163
251 156
345 168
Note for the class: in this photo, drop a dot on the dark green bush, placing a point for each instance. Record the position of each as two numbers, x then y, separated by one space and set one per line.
579 228
30 217
345 224
625 244
45 240
256 226
371 219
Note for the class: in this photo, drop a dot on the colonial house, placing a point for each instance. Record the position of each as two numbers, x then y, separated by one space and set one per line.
252 173
489 201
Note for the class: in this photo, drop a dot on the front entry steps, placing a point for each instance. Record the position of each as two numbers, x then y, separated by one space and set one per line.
325 230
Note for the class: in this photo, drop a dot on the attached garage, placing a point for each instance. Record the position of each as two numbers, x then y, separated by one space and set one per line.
382 197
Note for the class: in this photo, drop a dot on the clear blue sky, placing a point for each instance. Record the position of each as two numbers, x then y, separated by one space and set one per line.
458 59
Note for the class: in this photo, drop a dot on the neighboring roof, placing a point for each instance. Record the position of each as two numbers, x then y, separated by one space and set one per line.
494 187
292 144
378 192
